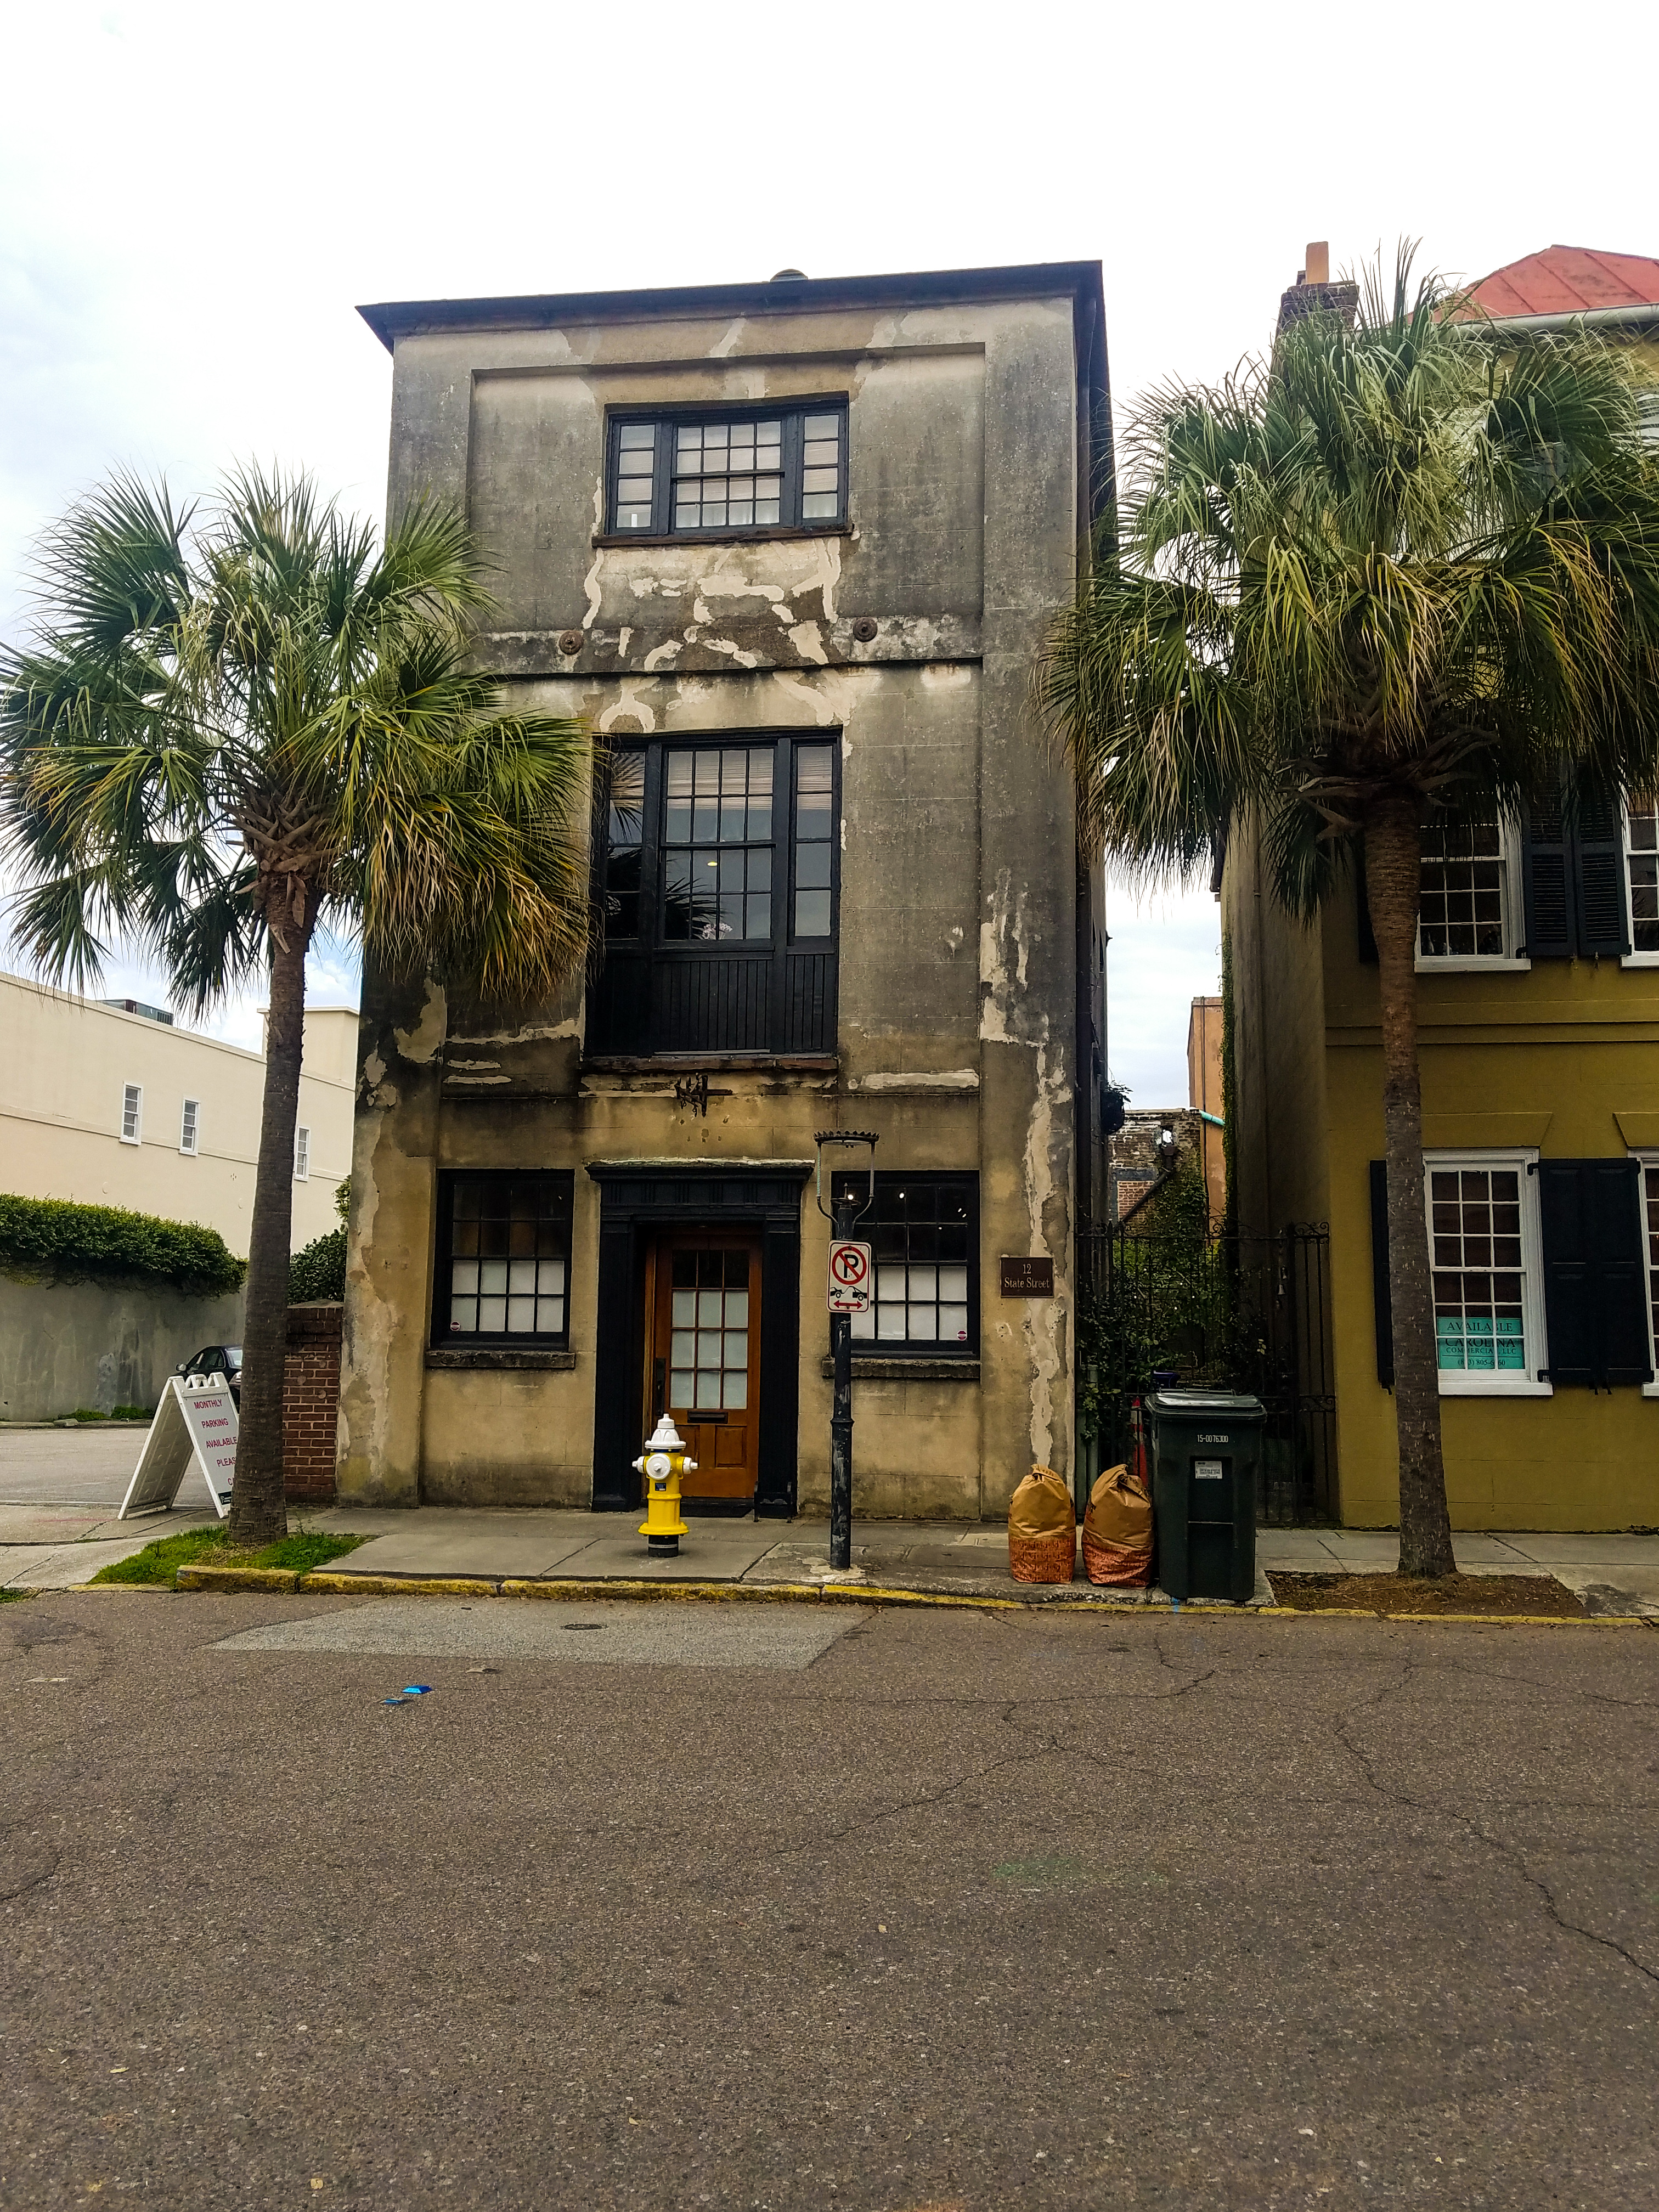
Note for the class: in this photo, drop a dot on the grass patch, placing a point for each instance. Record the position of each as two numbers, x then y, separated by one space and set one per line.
14 1596
159 1563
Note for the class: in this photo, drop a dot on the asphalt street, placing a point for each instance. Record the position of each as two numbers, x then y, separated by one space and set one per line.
787 1906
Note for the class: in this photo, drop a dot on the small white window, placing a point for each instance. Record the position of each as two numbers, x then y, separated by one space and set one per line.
1486 1268
132 1114
1650 1204
188 1123
1642 878
302 1154
1470 910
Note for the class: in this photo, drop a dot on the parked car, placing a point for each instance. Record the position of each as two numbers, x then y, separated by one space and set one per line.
224 1359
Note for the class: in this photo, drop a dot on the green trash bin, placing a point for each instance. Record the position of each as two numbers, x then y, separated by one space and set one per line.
1206 1446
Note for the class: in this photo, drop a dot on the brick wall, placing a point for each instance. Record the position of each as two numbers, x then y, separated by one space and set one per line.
311 1401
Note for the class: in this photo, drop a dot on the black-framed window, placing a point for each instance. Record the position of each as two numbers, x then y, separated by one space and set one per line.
503 1260
924 1229
711 472
720 877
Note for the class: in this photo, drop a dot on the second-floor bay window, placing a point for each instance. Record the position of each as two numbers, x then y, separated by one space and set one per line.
719 883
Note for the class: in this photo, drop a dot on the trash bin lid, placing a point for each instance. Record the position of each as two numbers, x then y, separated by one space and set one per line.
1235 1405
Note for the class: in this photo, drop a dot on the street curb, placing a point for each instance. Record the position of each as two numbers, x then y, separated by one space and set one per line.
282 1581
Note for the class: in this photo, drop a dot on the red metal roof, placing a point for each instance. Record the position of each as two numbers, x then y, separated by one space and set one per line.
1569 280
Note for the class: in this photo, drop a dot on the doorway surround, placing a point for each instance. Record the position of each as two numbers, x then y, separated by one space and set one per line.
638 1196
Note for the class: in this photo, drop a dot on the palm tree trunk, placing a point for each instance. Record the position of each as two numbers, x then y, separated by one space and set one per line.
1392 880
258 1513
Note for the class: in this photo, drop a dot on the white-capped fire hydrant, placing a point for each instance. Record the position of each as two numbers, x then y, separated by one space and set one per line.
662 1463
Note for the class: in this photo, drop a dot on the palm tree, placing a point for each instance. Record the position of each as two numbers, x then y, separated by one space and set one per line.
1405 568
235 726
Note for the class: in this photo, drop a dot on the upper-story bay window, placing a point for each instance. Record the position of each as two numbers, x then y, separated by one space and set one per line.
734 472
720 883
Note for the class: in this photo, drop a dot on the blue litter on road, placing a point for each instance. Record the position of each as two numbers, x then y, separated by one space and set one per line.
417 1689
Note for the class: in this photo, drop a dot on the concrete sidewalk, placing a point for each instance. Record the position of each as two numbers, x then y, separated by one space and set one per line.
43 1547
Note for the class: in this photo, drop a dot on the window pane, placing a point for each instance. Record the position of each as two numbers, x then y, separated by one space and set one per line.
735 1348
1461 914
521 1315
819 506
819 480
737 1304
822 453
635 434
463 1278
822 426
683 1344
492 1315
812 868
492 1275
734 1393
463 1317
953 1324
708 1390
812 913
681 1383
924 1324
521 1275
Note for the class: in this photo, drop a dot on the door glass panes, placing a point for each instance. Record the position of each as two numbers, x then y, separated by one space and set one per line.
717 844
708 1349
727 476
815 822
820 468
921 1231
1474 1233
509 1254
625 831
636 456
1642 843
1460 912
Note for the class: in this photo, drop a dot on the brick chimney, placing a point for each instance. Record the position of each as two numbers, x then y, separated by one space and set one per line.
1313 292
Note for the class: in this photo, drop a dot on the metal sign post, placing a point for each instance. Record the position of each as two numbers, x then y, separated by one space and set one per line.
849 1279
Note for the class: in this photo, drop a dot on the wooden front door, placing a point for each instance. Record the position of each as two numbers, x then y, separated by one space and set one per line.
703 1363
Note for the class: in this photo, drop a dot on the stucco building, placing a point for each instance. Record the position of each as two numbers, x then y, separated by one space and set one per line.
111 1104
790 547
1538 1014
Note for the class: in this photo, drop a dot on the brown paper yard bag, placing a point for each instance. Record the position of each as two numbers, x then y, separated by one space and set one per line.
1042 1529
1118 1531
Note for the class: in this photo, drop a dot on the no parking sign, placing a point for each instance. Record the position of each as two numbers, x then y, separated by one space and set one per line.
849 1276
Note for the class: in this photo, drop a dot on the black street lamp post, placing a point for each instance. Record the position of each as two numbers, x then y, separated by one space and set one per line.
843 1215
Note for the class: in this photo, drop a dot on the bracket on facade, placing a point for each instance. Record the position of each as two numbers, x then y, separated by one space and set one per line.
693 1090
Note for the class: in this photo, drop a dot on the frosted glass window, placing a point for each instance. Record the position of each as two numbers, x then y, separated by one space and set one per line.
708 1343
924 1230
508 1269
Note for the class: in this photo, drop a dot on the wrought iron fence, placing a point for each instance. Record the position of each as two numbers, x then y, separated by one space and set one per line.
1238 1313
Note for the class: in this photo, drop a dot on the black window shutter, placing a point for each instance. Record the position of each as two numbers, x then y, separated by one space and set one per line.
1367 935
1382 1300
1599 876
1595 1274
1546 879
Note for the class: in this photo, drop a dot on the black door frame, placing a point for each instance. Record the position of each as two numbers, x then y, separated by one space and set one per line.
638 1196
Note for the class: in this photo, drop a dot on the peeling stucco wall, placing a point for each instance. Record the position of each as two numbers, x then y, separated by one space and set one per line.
957 975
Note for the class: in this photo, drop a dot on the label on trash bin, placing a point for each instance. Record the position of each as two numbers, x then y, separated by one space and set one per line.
1206 1470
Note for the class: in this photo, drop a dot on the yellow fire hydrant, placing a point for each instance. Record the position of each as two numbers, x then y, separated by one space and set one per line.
662 1463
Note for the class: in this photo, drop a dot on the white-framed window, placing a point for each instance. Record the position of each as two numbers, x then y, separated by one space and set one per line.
132 1114
1642 878
190 1123
1485 1259
1649 1204
302 1154
1471 907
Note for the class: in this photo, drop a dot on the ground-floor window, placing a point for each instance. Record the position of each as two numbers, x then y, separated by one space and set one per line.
1486 1274
502 1273
1650 1202
924 1229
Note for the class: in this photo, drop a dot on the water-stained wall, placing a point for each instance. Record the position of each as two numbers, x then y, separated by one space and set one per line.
909 632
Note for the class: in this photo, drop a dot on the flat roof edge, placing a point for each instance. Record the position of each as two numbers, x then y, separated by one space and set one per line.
390 320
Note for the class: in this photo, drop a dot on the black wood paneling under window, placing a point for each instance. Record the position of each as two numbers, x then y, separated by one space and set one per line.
720 472
720 877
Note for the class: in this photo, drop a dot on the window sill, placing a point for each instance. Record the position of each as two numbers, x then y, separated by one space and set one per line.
1650 1390
728 1063
1638 960
1483 964
1470 1386
765 533
496 1357
873 1367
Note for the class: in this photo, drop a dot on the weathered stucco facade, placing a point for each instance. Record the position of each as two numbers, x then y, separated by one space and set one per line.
964 966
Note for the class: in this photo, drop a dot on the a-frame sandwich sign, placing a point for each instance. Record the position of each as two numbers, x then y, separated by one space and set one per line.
194 1426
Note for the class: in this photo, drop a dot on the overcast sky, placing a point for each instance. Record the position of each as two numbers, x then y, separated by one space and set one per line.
193 199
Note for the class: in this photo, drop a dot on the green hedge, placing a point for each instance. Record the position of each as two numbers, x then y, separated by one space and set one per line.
51 1240
319 1272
